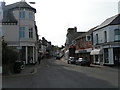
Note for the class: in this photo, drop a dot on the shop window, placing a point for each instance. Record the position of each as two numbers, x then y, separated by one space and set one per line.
106 55
96 58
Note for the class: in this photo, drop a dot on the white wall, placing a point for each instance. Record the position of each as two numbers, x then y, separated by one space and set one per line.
100 32
16 14
11 32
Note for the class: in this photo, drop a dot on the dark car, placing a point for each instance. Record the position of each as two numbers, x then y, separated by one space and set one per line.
18 66
58 57
82 62
72 60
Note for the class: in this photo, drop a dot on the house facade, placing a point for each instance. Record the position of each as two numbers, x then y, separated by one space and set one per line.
20 30
84 45
106 42
70 40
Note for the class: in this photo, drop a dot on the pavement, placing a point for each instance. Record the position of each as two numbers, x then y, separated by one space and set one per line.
28 70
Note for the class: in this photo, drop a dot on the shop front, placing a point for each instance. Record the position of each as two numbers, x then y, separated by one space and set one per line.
96 53
84 53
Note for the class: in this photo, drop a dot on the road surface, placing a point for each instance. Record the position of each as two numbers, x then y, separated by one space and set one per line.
52 73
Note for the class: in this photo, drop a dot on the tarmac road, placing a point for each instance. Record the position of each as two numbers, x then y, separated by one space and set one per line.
53 73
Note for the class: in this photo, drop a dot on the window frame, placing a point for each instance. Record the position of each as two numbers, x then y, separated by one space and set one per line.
30 32
30 15
117 34
21 14
22 32
105 36
97 41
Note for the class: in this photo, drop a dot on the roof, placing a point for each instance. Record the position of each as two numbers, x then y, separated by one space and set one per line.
8 17
87 33
20 5
114 20
8 14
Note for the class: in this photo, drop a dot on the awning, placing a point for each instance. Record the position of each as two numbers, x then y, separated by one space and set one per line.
95 52
67 51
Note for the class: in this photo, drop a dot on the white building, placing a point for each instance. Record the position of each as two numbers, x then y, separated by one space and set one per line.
1 16
106 42
119 7
20 30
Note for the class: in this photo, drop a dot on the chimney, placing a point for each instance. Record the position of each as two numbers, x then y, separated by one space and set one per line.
75 28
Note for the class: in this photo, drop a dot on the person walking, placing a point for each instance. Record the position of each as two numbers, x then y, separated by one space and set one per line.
39 59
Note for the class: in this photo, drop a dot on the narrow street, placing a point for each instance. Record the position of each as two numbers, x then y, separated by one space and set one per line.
53 73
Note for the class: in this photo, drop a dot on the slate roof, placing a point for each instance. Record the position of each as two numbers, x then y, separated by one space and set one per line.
115 20
20 5
8 16
87 33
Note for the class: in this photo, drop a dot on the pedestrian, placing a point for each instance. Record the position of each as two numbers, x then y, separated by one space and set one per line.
39 59
31 60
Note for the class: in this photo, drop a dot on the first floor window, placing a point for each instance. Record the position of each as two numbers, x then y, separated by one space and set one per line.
30 32
117 34
22 32
22 14
96 38
105 36
30 15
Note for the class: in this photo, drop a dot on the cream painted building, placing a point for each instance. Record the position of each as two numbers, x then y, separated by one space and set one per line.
20 30
106 42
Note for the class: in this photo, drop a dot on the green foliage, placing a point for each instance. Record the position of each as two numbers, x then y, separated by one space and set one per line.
8 54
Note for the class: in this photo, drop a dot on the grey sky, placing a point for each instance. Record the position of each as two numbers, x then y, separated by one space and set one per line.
54 17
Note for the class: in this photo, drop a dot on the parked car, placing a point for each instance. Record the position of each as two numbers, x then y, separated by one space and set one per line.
58 57
71 60
82 62
18 66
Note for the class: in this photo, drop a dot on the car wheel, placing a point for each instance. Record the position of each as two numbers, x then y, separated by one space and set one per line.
81 64
68 62
88 65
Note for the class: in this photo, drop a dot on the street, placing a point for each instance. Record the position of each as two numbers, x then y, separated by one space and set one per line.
52 73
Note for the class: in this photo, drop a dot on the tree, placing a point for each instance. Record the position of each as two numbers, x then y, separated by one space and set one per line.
8 54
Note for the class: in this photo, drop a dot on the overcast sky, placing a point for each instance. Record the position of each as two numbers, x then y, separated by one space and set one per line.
54 17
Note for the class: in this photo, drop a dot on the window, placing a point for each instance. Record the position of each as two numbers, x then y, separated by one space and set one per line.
96 38
22 32
105 36
106 60
22 14
30 15
117 34
31 33
88 37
